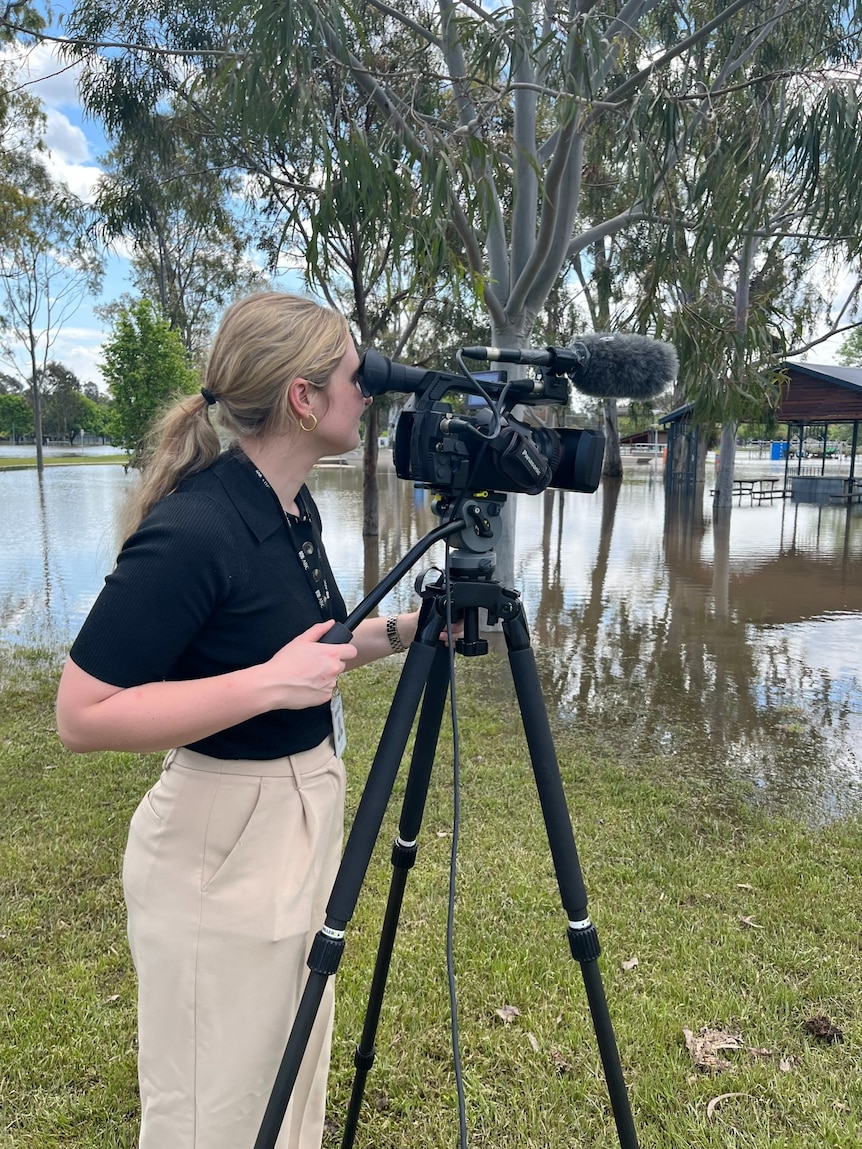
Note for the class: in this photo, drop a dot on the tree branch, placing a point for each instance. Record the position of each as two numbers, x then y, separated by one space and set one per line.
633 83
123 45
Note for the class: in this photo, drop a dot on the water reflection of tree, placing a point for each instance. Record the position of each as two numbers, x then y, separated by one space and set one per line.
43 539
692 676
573 637
681 660
708 663
405 518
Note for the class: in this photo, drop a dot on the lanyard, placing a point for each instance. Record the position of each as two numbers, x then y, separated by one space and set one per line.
306 545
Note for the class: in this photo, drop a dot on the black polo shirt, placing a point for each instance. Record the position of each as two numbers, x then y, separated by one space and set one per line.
211 582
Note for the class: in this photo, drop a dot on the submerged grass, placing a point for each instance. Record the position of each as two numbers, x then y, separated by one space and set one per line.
711 916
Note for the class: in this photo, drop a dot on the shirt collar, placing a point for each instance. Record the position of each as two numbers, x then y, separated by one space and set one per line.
257 506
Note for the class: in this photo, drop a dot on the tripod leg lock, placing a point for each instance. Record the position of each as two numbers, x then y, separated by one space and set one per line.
363 1059
403 854
325 954
584 941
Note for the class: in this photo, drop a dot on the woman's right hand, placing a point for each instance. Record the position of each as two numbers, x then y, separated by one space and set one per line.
94 715
306 670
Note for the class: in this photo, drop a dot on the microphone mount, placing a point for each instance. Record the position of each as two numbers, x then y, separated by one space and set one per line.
572 360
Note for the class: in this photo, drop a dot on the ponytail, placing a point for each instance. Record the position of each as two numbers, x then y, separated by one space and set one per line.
180 443
263 343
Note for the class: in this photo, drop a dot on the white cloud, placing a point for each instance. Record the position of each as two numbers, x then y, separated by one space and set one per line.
80 349
68 155
45 76
79 178
66 139
44 73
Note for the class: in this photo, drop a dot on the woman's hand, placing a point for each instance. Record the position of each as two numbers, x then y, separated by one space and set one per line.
94 715
306 669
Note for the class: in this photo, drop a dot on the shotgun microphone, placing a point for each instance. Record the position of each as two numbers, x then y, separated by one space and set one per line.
604 365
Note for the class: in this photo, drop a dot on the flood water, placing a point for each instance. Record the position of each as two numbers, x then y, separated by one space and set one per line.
732 643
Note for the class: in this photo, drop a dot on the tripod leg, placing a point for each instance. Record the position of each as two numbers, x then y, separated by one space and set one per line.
582 935
328 945
403 857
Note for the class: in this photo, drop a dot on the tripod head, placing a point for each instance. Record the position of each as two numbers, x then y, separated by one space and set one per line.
474 542
477 522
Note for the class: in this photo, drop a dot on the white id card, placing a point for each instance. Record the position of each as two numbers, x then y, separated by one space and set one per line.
339 733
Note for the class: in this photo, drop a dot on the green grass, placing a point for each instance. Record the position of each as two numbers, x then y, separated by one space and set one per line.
737 921
23 463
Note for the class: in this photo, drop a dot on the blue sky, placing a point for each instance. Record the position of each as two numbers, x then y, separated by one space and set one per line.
75 144
74 147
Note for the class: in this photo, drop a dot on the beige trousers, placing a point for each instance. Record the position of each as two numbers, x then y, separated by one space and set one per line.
227 872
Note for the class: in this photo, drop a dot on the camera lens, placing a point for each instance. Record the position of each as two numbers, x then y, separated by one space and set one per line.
574 455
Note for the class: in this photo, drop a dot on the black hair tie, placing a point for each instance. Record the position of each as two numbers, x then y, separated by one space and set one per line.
208 395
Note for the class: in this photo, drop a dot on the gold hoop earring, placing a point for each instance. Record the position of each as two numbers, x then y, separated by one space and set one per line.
313 425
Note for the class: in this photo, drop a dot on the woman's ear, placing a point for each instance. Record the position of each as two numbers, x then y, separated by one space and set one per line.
299 396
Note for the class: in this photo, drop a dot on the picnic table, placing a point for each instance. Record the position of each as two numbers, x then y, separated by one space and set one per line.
765 487
852 492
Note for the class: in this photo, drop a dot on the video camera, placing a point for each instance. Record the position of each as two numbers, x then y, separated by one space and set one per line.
482 446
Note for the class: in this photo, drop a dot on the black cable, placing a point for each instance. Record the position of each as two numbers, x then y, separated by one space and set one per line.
453 864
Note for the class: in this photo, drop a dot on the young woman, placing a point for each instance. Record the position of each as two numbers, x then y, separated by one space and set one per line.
204 642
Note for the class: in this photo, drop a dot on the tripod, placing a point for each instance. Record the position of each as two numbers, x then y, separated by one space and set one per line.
473 525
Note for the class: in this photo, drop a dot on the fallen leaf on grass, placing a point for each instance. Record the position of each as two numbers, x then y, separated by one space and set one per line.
703 1047
508 1013
716 1101
631 964
534 1045
821 1028
786 1064
560 1064
750 924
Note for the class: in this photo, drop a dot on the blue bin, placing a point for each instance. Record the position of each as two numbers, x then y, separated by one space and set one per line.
778 451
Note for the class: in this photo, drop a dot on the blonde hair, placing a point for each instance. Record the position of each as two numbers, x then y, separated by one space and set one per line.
263 343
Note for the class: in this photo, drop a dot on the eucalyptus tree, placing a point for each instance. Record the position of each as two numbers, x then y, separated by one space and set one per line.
755 226
22 123
727 260
502 151
351 220
359 231
493 111
47 267
850 351
181 210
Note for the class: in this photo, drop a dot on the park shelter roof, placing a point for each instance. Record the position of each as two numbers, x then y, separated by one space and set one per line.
678 415
821 394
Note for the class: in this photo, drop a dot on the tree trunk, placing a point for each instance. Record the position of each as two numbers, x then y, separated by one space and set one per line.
370 498
612 467
37 421
723 496
505 550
